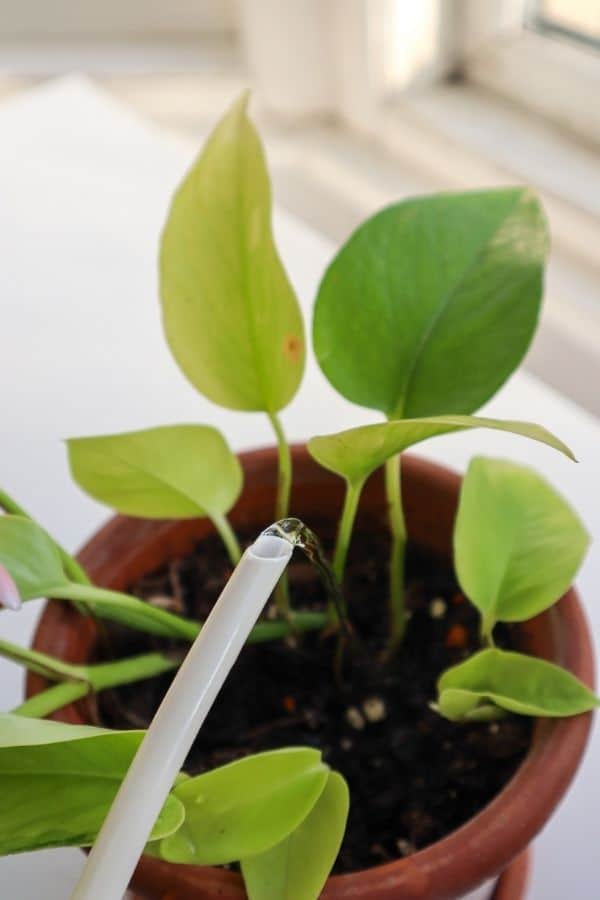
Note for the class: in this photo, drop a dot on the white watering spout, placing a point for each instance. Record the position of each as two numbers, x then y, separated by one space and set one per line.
185 706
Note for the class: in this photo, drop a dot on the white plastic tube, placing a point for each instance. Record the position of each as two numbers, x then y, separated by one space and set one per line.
185 706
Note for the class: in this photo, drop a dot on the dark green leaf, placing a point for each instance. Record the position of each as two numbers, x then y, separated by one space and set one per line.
432 303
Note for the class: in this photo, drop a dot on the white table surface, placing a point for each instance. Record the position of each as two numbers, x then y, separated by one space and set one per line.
84 186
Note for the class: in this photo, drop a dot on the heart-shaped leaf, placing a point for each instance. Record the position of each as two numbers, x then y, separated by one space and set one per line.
297 867
175 471
30 557
244 808
513 682
230 314
432 303
517 542
356 453
58 782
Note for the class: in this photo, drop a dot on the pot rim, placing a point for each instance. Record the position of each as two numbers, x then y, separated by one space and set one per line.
497 833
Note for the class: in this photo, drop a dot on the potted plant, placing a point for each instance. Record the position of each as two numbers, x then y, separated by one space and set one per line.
448 682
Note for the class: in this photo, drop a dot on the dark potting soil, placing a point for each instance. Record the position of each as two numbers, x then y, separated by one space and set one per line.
413 776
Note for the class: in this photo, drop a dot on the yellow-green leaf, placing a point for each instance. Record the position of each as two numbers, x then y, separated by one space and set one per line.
355 453
517 542
175 471
297 867
513 682
230 314
244 808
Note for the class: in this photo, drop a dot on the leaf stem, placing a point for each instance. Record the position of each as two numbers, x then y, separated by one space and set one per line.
393 490
47 666
70 564
345 528
282 504
137 614
95 678
228 537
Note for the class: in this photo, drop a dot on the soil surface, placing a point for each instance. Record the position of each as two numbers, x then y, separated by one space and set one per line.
413 776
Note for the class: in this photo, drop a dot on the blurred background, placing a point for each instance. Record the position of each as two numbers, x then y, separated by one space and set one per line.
360 102
364 101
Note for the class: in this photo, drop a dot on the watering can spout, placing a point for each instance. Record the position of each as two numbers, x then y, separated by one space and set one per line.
180 716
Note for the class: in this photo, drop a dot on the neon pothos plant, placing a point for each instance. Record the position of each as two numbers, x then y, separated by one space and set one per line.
422 315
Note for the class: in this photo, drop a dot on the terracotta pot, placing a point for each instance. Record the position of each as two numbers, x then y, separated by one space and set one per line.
480 850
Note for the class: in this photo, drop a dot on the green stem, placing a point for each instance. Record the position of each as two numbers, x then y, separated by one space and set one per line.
140 615
47 666
284 484
228 537
398 549
486 631
345 528
70 565
96 678
282 504
127 610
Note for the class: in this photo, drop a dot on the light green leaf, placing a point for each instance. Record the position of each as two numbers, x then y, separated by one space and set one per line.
432 303
517 542
230 314
178 471
514 682
297 867
30 556
58 782
244 808
356 453
34 562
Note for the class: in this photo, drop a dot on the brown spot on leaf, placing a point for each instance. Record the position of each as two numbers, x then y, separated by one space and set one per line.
292 347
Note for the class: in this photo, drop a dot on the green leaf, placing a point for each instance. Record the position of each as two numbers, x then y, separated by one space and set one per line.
30 556
58 782
178 471
230 314
244 808
34 562
517 543
432 303
356 453
514 682
297 867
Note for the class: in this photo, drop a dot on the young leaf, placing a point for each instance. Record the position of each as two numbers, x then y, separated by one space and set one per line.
432 302
517 543
172 472
30 557
356 453
297 867
230 314
514 682
58 782
244 808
